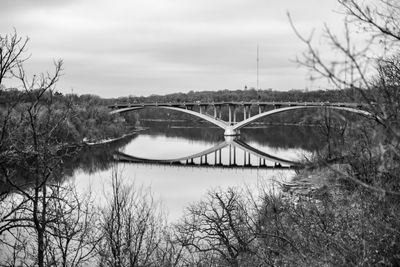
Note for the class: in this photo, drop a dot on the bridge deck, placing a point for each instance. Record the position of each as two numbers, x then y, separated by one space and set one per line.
236 103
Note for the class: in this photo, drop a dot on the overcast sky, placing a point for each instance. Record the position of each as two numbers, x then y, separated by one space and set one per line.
142 47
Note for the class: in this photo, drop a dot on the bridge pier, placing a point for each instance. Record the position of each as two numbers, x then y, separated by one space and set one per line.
203 109
246 112
230 155
229 131
230 114
234 155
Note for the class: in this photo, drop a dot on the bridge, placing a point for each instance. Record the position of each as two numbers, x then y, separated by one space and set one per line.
212 111
230 148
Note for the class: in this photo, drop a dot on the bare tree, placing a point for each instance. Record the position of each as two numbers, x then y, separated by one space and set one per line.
132 226
366 209
170 251
31 153
40 219
218 230
369 70
12 48
73 236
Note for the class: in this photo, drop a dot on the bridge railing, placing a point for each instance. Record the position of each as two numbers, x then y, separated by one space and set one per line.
237 103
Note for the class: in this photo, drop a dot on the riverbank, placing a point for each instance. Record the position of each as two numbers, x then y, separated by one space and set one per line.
312 183
110 140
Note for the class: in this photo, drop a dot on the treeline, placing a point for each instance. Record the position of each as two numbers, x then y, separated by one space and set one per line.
83 117
247 95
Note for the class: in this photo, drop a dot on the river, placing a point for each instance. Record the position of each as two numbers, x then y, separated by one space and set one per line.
178 185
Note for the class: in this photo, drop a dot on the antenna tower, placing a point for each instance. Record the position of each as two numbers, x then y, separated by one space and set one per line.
258 60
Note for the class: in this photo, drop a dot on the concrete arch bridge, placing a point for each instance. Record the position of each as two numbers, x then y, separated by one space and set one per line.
233 124
230 153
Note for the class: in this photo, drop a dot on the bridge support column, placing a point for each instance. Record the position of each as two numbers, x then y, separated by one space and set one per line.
205 159
229 131
244 113
234 114
230 155
234 155
260 109
215 112
230 114
249 159
220 157
247 112
202 108
220 112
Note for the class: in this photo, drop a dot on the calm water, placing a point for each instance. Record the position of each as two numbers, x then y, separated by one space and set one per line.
178 186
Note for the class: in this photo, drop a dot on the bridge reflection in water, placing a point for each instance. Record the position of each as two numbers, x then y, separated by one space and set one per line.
240 155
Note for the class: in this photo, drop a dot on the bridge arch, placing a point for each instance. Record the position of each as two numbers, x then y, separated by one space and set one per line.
220 123
242 124
122 110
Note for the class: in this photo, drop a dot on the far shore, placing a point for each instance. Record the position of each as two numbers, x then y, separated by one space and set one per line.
110 140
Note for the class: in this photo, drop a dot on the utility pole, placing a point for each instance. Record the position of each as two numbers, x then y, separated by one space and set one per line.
258 60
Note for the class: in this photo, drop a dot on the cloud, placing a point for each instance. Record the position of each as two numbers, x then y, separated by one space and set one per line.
157 46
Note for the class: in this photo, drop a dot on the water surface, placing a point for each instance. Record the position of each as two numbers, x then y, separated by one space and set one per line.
178 186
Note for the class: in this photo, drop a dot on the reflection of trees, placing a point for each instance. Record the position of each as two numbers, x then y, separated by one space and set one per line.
90 159
188 130
306 138
289 136
94 158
